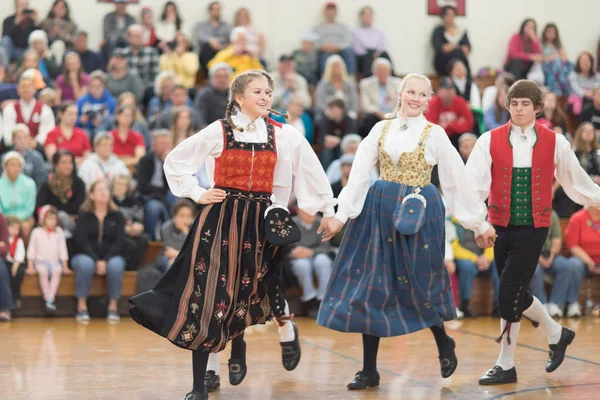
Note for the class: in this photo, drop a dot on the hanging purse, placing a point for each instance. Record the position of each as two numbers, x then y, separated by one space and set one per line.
410 214
280 229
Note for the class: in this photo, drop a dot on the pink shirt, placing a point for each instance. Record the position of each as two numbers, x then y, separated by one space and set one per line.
47 246
516 49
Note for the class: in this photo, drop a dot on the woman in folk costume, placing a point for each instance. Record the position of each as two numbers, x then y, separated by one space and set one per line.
226 276
389 277
515 166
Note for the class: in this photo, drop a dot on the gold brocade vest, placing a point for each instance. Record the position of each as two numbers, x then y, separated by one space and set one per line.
412 169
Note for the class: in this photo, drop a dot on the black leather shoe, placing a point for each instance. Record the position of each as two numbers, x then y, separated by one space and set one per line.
557 351
498 376
362 381
237 371
194 395
468 312
448 360
212 381
496 312
290 351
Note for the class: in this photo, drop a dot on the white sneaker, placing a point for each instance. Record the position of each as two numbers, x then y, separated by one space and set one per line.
459 314
554 310
574 310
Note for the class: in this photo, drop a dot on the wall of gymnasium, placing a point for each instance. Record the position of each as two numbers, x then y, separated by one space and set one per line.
490 23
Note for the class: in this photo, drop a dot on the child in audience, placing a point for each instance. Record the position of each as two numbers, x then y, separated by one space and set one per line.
335 124
15 258
46 253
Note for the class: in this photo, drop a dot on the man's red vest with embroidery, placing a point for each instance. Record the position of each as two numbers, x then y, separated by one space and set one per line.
34 119
542 175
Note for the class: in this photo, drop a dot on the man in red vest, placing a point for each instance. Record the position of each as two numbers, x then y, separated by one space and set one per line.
515 165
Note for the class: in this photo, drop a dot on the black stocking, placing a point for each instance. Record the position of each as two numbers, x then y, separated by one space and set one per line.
370 347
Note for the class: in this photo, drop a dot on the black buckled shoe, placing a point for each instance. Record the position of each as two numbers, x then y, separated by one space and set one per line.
498 376
237 371
212 381
290 351
194 395
362 381
557 351
448 360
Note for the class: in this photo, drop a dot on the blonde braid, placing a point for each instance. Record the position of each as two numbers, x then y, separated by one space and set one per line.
286 115
228 118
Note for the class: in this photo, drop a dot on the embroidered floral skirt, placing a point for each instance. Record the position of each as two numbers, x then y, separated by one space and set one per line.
384 283
225 279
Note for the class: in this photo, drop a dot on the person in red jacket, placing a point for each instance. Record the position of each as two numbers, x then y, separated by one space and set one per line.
515 166
450 111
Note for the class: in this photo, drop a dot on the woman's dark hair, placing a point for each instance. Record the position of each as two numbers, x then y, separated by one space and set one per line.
522 29
67 14
58 155
556 42
64 107
444 10
578 63
178 20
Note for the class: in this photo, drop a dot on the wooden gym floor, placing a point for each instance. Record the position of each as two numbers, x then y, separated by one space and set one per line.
59 359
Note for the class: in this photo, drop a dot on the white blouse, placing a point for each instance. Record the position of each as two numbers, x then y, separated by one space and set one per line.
575 181
297 164
457 185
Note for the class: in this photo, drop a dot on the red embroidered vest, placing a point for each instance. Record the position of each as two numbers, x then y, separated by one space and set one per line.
34 120
542 175
247 166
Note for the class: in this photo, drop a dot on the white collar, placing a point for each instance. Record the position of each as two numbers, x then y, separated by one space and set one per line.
528 130
408 122
242 120
30 104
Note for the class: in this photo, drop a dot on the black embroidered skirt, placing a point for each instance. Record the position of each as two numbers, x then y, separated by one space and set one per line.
225 279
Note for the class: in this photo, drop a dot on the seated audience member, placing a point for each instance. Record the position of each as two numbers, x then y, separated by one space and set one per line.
552 115
148 30
449 42
73 82
173 234
67 136
18 191
345 165
299 118
592 112
334 38
48 65
59 27
496 115
152 183
335 124
129 145
181 61
256 39
47 255
38 117
556 66
212 35
553 263
15 256
7 302
64 190
524 50
16 29
308 256
163 86
179 99
90 60
170 24
586 145
99 238
471 261
583 79
182 126
34 167
306 58
211 101
466 142
131 206
348 145
141 59
336 83
378 94
288 83
115 27
103 163
368 43
29 61
464 85
139 124
237 54
489 93
582 236
450 111
95 105
121 78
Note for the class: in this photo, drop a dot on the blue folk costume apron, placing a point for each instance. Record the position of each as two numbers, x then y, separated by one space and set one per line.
384 283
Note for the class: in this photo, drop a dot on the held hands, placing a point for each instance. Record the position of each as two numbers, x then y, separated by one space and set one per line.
487 239
330 227
212 196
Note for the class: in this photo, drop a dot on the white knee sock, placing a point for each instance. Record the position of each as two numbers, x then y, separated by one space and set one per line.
506 359
286 332
537 312
213 363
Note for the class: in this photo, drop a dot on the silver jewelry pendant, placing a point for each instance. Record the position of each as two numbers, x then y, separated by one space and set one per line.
251 127
403 126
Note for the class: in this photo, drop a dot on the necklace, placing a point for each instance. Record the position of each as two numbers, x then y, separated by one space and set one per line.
251 127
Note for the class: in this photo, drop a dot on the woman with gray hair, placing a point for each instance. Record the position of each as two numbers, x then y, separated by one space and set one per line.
49 66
